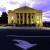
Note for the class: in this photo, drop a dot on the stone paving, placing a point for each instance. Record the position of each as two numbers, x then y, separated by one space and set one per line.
38 28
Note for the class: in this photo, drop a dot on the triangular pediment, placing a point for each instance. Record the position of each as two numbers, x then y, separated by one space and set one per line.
25 8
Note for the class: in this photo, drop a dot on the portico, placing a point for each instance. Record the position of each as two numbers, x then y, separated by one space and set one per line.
25 18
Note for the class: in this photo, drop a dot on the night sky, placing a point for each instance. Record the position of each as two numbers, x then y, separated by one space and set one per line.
43 5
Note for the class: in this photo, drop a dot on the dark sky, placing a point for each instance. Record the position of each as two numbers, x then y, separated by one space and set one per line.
43 5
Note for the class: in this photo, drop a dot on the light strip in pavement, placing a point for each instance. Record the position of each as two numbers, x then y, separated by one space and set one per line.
26 36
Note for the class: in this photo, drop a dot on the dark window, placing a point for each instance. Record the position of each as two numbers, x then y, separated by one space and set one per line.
32 17
28 16
17 17
12 22
25 17
21 17
17 21
21 22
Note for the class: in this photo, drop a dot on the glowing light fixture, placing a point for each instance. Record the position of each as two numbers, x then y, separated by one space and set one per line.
32 22
37 21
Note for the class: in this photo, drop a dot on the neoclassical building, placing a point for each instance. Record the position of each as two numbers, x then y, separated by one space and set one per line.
25 15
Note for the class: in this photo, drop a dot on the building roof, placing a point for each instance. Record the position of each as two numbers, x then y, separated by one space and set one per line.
25 8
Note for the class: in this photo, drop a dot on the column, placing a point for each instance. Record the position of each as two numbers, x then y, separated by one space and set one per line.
31 18
27 18
34 18
19 18
15 18
23 18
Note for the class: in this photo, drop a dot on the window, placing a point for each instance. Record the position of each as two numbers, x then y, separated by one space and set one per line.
21 22
17 17
25 20
25 17
21 17
28 16
12 22
32 17
17 21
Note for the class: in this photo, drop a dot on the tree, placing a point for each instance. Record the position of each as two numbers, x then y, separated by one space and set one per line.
47 24
4 18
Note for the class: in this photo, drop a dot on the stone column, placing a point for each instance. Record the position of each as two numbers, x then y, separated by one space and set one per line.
16 18
31 19
27 18
19 18
23 18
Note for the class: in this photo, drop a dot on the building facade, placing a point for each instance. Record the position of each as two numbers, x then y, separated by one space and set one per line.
25 15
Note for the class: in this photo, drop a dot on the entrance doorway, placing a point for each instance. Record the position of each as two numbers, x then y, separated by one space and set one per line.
12 22
25 20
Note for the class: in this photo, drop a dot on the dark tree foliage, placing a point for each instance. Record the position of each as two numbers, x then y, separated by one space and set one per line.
4 18
0 20
47 24
34 25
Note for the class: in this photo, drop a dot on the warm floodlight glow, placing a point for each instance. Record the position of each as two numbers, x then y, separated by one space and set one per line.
32 22
37 17
37 21
12 17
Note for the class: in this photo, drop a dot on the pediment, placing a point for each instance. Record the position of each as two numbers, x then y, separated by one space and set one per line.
25 8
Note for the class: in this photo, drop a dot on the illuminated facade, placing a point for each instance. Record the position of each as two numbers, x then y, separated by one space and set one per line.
25 15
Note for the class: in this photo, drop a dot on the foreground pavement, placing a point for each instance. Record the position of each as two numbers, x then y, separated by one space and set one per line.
38 28
20 38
